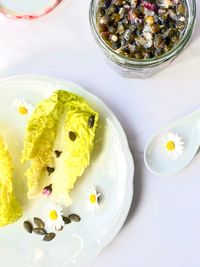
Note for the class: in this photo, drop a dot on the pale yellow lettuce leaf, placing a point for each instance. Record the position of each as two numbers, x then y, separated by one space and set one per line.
48 130
10 209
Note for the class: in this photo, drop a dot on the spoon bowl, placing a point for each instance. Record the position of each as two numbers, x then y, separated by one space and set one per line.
156 158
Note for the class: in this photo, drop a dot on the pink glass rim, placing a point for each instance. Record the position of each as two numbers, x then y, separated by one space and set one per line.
31 16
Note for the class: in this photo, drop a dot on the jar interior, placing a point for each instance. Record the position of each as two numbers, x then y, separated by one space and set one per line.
190 18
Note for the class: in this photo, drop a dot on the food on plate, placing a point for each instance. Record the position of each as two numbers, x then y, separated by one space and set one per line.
141 29
58 142
28 227
53 221
10 209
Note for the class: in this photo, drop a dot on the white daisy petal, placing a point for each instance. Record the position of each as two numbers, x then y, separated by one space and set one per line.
92 199
53 216
174 145
22 108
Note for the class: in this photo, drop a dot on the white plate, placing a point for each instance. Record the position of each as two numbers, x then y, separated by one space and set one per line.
111 169
27 9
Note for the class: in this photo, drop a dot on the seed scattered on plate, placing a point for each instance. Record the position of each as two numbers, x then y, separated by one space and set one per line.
39 231
50 170
48 237
74 218
38 222
91 121
66 220
28 227
57 153
72 136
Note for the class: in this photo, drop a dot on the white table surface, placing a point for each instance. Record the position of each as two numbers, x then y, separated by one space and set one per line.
163 227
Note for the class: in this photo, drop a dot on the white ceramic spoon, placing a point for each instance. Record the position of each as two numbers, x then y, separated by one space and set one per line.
156 158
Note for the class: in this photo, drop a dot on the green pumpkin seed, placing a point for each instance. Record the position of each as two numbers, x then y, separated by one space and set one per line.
181 9
101 12
48 237
66 220
28 227
57 153
72 136
38 222
91 121
74 217
39 231
50 170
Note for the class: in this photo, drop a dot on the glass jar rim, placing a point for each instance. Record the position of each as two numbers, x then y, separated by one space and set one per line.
28 12
142 62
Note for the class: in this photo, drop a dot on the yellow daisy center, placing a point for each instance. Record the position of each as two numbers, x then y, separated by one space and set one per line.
170 145
53 215
23 110
93 198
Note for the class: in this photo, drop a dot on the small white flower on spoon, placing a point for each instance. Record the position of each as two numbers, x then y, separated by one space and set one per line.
174 145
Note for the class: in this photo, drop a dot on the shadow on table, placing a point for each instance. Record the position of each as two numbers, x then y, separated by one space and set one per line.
136 148
137 185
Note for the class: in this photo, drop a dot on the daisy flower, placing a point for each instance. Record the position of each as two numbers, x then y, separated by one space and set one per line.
92 200
53 217
174 145
22 107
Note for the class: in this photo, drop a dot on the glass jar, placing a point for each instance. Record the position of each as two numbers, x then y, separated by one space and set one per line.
142 68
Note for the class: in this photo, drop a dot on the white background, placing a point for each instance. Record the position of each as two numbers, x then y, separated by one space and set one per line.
163 227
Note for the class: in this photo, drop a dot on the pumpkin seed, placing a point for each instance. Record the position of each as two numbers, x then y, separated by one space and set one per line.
115 46
181 9
39 231
38 222
143 23
118 2
66 220
72 136
112 29
28 227
105 3
101 12
91 121
74 217
180 25
48 237
112 9
50 170
57 153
